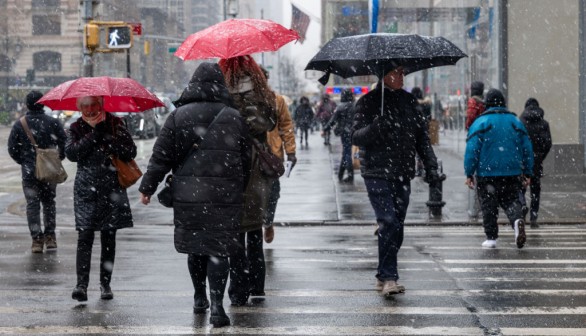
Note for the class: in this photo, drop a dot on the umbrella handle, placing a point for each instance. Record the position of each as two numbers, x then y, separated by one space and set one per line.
382 99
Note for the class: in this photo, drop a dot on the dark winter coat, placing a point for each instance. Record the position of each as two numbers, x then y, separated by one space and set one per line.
539 134
99 202
342 118
303 116
48 133
389 142
208 181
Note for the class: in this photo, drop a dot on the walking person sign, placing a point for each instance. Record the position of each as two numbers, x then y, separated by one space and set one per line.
119 37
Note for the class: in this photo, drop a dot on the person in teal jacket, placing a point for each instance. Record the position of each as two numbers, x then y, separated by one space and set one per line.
499 157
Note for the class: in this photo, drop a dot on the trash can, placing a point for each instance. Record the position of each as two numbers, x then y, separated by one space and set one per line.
434 131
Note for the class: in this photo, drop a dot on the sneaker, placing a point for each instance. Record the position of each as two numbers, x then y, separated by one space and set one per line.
520 236
79 293
379 285
51 241
106 292
489 243
37 246
391 287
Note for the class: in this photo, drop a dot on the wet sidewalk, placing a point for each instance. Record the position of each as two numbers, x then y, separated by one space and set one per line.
312 194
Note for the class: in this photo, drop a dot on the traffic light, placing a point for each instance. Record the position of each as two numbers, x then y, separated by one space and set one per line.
147 47
91 33
30 76
119 37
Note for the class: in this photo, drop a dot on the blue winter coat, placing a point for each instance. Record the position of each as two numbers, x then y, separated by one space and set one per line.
498 145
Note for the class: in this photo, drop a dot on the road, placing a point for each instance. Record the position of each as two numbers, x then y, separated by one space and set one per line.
320 278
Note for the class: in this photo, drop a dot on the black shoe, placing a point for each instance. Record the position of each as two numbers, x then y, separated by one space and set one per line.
201 304
79 293
257 293
238 302
348 179
106 292
534 225
218 317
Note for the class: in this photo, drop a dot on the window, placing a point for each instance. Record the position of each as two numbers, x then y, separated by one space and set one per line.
47 61
46 24
5 63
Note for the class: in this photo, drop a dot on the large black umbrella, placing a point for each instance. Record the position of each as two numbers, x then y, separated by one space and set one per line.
379 53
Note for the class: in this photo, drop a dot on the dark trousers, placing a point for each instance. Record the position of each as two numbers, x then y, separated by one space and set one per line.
535 192
37 193
273 200
247 267
303 132
214 269
390 200
495 192
346 162
85 243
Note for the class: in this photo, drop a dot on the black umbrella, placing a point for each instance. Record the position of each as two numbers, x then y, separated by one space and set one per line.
379 53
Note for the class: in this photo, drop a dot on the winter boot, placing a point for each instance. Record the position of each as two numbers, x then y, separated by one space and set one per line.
106 292
218 317
341 173
38 244
79 293
200 301
51 241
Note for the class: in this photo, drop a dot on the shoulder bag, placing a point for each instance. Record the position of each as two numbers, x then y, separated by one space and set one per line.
165 196
270 164
128 172
48 166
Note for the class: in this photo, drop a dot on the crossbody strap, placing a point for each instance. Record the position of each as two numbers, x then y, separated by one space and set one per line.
28 131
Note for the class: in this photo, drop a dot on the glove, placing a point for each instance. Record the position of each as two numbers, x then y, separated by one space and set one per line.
291 157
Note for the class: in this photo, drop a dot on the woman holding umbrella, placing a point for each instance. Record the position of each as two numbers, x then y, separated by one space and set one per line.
100 203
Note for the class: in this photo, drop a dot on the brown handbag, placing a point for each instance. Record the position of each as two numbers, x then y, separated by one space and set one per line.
128 172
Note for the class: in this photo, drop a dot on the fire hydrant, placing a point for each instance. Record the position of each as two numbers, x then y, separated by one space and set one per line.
435 202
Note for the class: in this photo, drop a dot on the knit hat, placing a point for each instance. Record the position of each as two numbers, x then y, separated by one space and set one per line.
495 98
531 102
31 101
476 88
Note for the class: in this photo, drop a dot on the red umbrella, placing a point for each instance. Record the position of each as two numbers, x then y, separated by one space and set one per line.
120 94
235 37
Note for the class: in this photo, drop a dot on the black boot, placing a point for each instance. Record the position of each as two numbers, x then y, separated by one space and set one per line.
350 177
218 317
79 293
341 173
200 301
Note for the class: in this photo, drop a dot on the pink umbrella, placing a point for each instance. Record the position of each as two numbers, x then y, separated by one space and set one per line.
120 94
235 37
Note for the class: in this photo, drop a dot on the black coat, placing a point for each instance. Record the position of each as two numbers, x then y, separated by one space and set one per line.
343 118
208 182
303 116
539 134
99 201
48 133
389 144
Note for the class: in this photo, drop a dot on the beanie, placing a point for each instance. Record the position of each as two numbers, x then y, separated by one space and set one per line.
476 88
31 101
495 98
531 102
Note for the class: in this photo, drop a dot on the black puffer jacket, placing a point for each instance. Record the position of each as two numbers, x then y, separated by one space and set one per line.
539 134
343 116
48 133
208 182
389 143
99 201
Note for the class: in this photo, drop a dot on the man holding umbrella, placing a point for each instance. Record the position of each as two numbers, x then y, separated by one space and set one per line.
389 136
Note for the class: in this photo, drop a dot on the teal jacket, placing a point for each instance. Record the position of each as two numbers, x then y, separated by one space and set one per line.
498 145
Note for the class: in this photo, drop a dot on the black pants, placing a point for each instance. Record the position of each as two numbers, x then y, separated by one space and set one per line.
85 243
247 267
216 271
535 193
498 191
39 193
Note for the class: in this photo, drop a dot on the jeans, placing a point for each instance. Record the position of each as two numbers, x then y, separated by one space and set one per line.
346 163
498 191
389 199
85 243
39 193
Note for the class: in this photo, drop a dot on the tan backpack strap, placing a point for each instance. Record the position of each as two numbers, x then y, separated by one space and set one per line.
28 130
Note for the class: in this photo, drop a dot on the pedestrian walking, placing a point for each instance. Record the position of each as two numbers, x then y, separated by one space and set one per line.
303 119
324 112
99 202
498 154
48 132
341 121
204 142
540 135
257 104
475 103
390 139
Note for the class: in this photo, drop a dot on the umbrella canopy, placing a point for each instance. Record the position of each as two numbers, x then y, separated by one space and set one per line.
235 37
120 94
377 54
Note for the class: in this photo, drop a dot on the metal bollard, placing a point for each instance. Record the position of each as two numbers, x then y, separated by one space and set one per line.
435 203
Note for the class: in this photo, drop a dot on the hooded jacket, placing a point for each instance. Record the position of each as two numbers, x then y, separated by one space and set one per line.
539 133
208 164
389 142
48 133
498 145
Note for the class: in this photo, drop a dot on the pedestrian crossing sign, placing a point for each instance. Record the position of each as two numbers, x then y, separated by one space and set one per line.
119 37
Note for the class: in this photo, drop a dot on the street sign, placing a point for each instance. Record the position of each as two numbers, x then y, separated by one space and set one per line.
172 47
119 37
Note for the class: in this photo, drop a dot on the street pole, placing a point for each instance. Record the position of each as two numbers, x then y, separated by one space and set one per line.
128 63
225 10
87 61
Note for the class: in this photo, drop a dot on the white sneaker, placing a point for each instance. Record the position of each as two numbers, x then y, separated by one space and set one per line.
489 243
